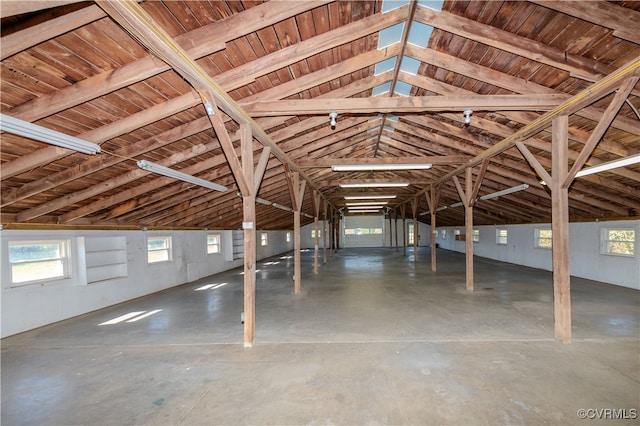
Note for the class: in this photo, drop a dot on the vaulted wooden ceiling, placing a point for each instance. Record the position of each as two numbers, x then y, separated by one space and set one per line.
70 67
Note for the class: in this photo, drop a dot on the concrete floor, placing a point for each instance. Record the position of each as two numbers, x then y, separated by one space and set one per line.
374 338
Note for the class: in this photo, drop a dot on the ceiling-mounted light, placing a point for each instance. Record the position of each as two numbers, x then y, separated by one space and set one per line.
363 211
467 116
209 108
378 167
368 203
454 205
374 185
166 171
369 197
626 161
505 192
33 131
333 115
263 201
281 207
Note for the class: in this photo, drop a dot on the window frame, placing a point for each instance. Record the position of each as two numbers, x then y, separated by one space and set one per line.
443 234
605 240
217 247
476 236
64 259
169 249
537 239
264 239
499 237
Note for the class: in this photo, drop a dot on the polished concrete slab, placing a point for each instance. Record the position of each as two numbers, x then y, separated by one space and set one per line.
374 338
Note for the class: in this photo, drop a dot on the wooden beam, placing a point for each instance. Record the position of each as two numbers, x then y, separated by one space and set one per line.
409 104
328 162
560 231
478 183
245 187
435 200
587 96
535 164
602 126
403 211
154 38
324 230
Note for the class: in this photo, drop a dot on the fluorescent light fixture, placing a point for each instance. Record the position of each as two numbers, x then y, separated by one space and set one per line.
33 131
378 167
308 215
439 209
375 185
626 161
281 207
364 208
505 192
369 197
166 171
455 205
263 201
368 203
364 211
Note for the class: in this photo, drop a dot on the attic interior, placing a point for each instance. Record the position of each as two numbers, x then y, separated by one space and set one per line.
398 77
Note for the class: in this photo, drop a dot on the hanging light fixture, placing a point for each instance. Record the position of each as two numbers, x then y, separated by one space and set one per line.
166 171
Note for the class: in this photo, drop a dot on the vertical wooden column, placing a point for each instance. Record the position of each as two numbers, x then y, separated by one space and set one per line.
390 230
337 228
433 208
560 230
315 198
403 211
296 190
331 231
468 232
414 212
396 217
249 227
324 231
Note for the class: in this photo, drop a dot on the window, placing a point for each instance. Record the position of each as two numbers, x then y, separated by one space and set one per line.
288 237
501 236
363 231
476 235
34 261
264 239
410 231
443 234
619 242
213 243
158 249
313 233
543 238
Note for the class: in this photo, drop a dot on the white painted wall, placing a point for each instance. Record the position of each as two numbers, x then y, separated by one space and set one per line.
585 261
32 306
306 241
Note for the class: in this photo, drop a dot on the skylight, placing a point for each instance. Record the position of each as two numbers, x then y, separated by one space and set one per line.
381 89
419 34
386 65
390 35
410 65
402 88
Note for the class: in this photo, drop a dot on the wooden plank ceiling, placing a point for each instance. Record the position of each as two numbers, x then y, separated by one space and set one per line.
69 67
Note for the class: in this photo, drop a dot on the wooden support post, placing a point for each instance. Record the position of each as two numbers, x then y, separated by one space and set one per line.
432 201
296 190
468 222
337 231
331 231
315 198
324 231
403 211
560 230
396 216
390 231
249 226
414 211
